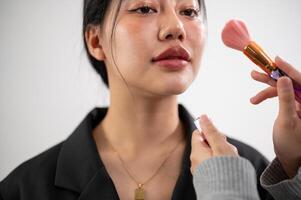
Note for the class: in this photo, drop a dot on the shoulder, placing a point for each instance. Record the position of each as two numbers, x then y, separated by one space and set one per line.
37 170
38 165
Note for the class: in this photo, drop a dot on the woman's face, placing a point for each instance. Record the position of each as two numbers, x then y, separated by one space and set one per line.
144 29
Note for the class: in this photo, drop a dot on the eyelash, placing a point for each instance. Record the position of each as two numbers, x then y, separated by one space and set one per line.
195 12
143 7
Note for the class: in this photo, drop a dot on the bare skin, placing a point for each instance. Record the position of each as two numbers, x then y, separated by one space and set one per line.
142 123
143 164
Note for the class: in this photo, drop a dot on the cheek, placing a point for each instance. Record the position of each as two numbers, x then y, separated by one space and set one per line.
133 46
197 39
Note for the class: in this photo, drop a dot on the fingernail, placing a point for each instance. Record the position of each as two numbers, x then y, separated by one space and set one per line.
278 58
254 72
285 82
201 139
204 119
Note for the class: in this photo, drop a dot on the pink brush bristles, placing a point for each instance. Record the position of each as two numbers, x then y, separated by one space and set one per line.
235 35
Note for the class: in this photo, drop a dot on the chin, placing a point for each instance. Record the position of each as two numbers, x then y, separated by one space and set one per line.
175 87
176 91
168 85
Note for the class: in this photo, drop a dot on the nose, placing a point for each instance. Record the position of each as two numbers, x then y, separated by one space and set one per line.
171 28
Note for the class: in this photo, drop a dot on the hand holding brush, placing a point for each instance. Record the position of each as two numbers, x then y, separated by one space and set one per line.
284 81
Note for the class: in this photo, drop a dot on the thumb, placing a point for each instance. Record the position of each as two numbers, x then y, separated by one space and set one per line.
212 135
287 106
197 141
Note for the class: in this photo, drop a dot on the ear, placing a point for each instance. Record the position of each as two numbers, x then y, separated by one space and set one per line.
93 40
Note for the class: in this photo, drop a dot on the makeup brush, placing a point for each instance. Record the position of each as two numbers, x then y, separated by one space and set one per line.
236 36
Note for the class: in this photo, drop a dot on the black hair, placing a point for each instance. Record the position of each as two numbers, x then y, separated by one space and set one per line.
94 12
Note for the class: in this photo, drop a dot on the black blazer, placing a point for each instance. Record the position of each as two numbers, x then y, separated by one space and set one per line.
73 169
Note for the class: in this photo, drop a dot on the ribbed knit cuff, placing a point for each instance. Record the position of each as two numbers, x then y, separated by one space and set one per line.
226 177
275 180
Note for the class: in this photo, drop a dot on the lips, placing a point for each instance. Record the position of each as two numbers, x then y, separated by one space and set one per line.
173 59
174 53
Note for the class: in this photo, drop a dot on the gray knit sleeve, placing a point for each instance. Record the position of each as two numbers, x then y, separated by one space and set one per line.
225 178
278 184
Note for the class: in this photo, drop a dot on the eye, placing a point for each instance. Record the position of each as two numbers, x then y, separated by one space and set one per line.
190 12
144 10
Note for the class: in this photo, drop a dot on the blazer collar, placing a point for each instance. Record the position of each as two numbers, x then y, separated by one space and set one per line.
80 169
78 159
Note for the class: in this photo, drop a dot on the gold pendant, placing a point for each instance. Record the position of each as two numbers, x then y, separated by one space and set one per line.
139 193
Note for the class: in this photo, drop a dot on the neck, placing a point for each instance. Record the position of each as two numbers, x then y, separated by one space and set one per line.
141 123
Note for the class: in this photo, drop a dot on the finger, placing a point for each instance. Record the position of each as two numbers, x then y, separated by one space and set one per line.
287 106
288 69
267 93
200 151
263 78
232 149
214 138
197 140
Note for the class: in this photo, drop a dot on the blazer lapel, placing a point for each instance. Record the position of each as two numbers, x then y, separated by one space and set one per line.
79 167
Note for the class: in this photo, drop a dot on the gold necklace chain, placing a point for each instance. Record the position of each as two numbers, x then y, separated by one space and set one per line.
139 192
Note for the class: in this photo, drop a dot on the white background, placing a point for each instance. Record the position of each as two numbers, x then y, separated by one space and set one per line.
47 85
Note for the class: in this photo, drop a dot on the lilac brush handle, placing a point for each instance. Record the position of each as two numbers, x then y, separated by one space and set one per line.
276 74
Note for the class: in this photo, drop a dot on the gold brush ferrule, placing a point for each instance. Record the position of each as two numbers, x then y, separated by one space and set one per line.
255 53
